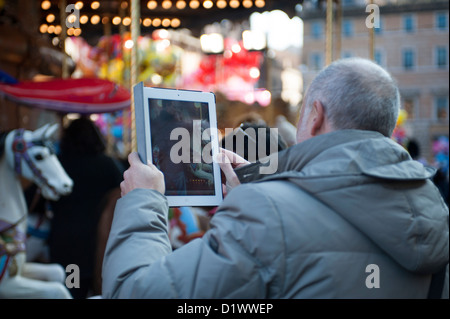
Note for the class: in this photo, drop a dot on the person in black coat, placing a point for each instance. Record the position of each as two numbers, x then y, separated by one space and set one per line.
73 233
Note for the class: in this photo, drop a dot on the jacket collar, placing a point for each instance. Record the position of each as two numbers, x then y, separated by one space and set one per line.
370 153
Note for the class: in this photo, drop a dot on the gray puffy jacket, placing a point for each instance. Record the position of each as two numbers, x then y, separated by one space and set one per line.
347 215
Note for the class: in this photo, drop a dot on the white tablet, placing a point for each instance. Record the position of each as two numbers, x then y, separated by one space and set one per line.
177 131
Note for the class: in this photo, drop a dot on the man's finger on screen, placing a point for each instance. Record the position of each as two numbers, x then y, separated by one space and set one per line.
234 158
231 178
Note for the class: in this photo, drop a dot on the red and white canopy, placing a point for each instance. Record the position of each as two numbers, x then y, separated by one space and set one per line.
84 96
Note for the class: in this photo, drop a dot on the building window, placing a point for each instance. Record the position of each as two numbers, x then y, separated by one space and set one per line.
347 3
378 57
316 30
347 28
316 61
378 30
409 107
441 21
441 57
441 103
408 23
408 59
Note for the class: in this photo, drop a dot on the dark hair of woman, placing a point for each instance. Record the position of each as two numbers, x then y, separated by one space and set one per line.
82 137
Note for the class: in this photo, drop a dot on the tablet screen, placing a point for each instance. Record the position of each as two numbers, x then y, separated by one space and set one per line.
180 147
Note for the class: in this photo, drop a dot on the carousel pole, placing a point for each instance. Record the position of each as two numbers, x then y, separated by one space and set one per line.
62 41
269 85
135 31
125 134
109 136
338 29
125 116
107 33
62 18
371 40
329 33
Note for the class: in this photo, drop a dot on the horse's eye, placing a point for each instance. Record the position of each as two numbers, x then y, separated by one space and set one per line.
38 157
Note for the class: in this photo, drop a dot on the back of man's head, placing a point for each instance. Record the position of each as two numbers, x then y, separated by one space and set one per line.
356 94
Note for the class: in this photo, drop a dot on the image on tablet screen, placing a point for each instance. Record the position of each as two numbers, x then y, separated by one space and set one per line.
186 121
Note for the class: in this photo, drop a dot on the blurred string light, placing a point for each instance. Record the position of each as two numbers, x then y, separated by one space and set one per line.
79 5
166 23
84 19
95 19
181 4
95 5
50 18
147 22
43 28
221 4
45 5
208 4
194 4
247 4
260 3
152 4
71 18
156 22
126 21
166 4
116 20
234 4
175 23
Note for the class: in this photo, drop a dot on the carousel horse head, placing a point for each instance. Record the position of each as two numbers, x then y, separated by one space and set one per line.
31 155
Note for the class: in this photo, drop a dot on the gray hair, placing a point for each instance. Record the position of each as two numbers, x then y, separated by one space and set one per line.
356 94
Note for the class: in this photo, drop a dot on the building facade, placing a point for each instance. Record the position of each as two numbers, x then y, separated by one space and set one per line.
411 42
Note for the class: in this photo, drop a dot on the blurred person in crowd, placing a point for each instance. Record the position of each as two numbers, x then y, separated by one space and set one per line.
414 151
346 207
440 179
73 231
244 141
287 130
440 156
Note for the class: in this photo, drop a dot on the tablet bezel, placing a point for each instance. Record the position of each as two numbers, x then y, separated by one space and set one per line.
144 144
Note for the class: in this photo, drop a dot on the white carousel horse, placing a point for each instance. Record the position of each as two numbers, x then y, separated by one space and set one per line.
28 154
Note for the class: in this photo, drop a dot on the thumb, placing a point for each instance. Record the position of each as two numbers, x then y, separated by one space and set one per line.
134 159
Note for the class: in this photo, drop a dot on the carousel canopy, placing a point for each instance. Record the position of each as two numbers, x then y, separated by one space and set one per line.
189 14
84 96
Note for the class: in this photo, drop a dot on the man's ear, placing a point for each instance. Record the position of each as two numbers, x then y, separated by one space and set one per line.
318 119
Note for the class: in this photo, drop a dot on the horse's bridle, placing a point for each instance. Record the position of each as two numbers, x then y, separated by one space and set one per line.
20 147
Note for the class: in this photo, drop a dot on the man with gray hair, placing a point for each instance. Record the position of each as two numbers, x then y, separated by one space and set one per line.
348 214
356 94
